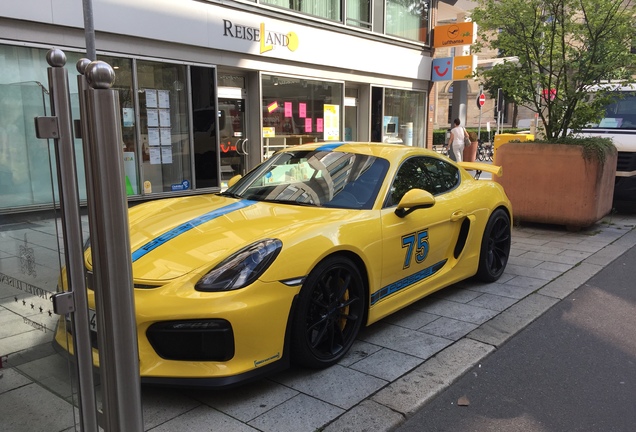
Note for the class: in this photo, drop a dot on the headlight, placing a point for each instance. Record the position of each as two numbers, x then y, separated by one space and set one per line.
242 268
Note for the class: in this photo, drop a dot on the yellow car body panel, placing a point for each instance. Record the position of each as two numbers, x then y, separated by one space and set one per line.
175 242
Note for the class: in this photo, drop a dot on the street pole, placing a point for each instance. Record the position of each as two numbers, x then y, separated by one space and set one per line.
89 29
481 91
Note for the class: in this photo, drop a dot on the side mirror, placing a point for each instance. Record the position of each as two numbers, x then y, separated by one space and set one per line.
413 200
233 180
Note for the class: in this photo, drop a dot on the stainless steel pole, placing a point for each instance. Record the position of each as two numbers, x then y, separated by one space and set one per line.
73 245
116 324
89 29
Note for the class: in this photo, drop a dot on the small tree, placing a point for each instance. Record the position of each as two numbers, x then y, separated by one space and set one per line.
556 48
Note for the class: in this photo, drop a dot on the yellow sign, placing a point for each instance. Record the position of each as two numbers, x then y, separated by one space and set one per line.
454 34
269 132
270 39
463 67
332 122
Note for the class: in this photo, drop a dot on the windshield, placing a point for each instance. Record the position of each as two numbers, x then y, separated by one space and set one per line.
316 178
620 114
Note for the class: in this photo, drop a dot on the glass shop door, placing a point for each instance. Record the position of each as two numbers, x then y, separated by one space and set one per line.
37 379
233 142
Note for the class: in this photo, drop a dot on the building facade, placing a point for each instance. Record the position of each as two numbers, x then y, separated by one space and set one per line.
208 88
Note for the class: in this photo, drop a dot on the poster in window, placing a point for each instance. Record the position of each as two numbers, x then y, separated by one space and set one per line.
288 109
302 110
155 156
153 136
151 98
332 122
164 117
166 155
128 117
130 168
163 97
153 118
319 125
307 125
166 139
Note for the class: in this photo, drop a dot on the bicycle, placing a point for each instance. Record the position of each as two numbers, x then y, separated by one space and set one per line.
484 151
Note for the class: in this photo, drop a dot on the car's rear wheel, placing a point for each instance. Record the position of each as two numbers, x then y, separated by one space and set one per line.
495 247
329 313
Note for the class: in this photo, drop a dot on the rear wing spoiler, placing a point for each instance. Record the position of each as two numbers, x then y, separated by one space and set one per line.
479 166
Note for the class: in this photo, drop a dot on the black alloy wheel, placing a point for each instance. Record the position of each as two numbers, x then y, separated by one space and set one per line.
329 313
495 247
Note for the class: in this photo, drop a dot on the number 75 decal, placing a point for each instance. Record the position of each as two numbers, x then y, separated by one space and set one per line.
415 244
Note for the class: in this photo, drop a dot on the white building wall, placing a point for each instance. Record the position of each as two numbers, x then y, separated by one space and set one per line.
198 24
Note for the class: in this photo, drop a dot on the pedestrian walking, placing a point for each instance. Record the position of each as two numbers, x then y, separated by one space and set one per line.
456 141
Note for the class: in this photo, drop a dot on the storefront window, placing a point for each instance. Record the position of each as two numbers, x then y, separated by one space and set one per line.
398 116
164 129
329 9
297 111
408 19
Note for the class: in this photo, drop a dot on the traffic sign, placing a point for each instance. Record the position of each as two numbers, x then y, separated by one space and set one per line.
481 100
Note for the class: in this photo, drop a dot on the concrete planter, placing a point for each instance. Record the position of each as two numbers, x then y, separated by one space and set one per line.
554 183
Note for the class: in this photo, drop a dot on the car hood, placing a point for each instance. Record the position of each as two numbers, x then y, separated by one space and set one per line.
170 238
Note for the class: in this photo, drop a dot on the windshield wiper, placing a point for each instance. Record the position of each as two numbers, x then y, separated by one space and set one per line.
230 194
299 203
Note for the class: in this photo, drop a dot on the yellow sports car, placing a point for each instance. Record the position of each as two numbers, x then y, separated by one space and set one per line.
291 260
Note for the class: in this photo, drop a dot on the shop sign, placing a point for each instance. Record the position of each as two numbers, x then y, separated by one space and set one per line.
462 33
267 39
458 68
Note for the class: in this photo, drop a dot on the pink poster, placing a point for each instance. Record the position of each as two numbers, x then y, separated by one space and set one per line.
288 109
307 125
302 110
319 125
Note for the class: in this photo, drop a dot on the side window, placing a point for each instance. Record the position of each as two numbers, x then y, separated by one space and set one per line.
431 174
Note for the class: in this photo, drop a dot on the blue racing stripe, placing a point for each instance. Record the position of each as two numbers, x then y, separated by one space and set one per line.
405 282
187 226
329 147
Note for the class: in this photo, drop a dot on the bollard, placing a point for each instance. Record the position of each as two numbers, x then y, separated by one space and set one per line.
112 271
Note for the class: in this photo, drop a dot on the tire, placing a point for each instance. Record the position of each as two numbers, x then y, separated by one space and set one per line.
329 313
495 247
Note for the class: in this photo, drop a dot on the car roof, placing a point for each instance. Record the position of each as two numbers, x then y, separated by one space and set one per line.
385 150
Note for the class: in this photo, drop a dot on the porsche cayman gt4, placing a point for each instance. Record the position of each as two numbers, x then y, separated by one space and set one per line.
288 263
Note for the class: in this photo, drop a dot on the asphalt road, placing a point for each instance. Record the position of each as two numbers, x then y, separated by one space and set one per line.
573 369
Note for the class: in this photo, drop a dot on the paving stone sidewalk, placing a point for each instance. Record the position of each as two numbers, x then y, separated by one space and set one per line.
394 367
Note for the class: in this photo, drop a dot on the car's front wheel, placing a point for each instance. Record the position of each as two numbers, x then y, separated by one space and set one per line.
329 313
495 247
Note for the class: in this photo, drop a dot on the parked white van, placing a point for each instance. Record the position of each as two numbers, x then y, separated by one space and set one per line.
619 124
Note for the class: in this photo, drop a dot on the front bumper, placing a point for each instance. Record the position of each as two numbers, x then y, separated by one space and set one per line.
242 335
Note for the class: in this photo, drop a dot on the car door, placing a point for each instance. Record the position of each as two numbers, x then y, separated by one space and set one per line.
418 245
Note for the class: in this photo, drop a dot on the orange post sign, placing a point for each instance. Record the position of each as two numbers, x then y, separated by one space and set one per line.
463 67
462 33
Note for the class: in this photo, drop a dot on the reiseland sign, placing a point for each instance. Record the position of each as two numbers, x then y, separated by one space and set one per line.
267 39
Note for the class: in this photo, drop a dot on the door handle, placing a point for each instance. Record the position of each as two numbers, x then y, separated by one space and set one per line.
239 143
459 214
243 150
